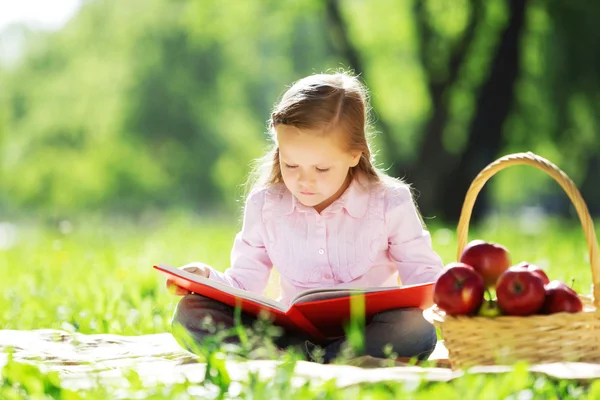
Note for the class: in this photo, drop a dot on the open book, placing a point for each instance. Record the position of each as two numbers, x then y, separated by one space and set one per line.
320 313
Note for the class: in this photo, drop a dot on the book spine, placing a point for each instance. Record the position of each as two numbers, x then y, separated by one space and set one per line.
303 323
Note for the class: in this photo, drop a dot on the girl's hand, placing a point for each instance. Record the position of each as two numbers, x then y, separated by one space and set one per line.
197 269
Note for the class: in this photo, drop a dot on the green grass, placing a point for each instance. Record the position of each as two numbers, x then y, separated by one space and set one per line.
95 276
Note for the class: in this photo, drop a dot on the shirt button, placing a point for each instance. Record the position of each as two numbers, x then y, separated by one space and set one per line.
321 251
328 276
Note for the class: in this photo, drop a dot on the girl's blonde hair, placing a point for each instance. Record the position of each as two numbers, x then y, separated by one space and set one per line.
325 102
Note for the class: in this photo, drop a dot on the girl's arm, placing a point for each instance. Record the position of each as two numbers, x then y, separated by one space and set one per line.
409 242
250 262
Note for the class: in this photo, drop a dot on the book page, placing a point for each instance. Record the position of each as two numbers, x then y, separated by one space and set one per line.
336 292
177 272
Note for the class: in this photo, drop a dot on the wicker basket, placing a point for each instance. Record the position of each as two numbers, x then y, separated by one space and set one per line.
473 340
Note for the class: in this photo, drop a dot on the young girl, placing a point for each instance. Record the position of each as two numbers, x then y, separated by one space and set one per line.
324 216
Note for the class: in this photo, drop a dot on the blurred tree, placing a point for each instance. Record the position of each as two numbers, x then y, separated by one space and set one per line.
340 41
501 77
494 103
441 172
573 59
151 103
441 72
557 108
163 103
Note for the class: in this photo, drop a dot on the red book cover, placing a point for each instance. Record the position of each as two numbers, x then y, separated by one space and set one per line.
320 313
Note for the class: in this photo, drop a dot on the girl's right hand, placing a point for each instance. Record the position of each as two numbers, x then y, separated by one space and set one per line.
197 269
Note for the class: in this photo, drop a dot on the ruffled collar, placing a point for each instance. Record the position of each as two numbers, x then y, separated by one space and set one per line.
354 200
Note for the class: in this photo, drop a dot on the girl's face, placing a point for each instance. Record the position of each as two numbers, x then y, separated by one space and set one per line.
314 166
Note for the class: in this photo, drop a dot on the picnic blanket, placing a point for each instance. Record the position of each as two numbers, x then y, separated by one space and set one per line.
86 360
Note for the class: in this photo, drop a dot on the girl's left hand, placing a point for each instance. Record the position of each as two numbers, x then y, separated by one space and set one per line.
194 269
176 290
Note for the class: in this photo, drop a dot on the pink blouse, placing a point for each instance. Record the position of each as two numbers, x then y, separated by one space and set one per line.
368 237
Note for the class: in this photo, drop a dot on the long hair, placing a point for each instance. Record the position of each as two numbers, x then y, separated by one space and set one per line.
325 102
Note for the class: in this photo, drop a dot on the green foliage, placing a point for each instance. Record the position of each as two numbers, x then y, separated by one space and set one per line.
104 269
148 103
26 379
143 105
20 380
356 325
153 104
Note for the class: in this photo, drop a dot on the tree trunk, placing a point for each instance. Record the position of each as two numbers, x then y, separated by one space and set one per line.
493 106
338 35
441 179
432 157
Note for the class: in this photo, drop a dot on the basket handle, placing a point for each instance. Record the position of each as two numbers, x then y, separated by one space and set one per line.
565 182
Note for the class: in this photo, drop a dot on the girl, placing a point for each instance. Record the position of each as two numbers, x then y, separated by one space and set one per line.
323 215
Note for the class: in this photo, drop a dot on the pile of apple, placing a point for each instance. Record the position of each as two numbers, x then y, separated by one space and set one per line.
522 289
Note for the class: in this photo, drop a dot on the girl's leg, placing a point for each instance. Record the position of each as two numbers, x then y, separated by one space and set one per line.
406 330
197 317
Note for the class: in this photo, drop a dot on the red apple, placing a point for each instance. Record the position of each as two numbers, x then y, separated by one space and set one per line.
489 259
561 298
520 291
458 290
536 270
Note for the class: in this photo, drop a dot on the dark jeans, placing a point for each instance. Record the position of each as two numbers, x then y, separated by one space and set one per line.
404 331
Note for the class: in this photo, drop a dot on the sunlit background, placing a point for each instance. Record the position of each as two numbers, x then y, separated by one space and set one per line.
128 127
129 107
151 112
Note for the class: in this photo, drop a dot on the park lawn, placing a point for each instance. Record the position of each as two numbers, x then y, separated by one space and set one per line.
95 276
